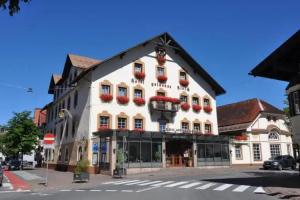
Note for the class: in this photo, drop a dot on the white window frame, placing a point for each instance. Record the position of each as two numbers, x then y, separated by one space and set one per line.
256 152
238 152
275 150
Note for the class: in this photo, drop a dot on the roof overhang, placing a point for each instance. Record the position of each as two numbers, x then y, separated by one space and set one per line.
219 90
284 63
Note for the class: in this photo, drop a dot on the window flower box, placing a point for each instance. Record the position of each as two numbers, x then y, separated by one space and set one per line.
104 129
185 106
165 99
207 109
240 137
196 108
138 130
123 99
139 75
122 129
162 78
139 101
106 97
184 82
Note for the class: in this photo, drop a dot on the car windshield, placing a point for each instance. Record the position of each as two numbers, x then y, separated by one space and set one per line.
278 158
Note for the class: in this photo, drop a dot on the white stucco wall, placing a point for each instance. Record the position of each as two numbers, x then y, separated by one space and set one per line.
120 70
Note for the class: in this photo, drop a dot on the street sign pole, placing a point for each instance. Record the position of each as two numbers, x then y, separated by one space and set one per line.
49 140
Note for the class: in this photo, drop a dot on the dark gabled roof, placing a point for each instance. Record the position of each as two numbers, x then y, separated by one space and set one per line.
179 50
283 63
55 78
244 112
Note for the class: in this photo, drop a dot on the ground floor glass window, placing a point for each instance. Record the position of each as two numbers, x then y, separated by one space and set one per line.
275 150
212 154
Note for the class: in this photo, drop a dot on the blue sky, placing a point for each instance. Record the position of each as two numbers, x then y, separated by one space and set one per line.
228 38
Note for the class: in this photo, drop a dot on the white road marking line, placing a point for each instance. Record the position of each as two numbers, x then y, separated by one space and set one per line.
95 190
163 183
259 190
7 185
126 190
67 190
223 187
123 182
79 190
241 188
190 185
203 187
113 182
149 183
111 190
146 189
176 184
138 182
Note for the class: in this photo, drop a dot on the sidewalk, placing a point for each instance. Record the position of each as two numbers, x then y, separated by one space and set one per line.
57 180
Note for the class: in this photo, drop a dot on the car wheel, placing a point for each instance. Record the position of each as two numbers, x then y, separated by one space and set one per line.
293 167
265 168
279 167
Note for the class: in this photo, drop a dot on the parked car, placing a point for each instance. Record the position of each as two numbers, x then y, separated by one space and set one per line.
14 165
280 162
1 175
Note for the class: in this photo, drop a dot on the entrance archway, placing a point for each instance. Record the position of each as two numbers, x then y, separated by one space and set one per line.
179 153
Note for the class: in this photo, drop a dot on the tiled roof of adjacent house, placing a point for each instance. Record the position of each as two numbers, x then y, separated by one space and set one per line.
82 61
244 112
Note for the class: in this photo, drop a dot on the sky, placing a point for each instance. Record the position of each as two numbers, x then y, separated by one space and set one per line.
228 38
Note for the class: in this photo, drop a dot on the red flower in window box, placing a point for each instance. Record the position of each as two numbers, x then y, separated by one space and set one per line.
196 108
240 137
207 109
184 82
165 99
106 97
139 75
162 78
123 99
161 59
104 128
185 106
139 101
138 130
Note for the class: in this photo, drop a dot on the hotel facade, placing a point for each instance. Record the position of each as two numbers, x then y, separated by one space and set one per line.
151 106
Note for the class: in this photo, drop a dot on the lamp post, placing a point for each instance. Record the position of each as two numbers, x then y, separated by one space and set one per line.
61 115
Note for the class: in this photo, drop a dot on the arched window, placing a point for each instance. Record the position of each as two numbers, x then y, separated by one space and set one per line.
79 153
273 135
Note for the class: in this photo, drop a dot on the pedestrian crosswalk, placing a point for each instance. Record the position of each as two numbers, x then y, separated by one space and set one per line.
197 185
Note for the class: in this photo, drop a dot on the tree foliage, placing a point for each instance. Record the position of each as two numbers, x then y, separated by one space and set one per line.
22 135
13 6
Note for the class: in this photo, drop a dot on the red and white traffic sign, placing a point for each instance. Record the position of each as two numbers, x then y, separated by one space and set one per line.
49 140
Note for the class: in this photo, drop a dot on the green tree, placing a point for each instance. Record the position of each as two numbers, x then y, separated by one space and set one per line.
22 135
12 5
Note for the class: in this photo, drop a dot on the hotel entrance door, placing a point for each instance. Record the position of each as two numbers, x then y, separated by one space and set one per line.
179 153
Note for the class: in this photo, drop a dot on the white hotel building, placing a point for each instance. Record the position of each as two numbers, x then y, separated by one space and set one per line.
153 98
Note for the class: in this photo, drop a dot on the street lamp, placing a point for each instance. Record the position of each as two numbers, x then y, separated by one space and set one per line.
62 115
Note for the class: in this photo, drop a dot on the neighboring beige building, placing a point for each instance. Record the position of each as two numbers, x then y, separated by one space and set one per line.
257 131
154 98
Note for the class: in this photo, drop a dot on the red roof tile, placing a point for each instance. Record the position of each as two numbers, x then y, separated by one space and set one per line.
243 112
82 61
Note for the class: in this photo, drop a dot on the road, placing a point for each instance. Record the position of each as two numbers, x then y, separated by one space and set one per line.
231 185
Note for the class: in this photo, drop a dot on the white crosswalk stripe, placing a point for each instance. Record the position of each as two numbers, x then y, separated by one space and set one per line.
223 187
124 182
138 182
163 183
176 184
241 188
190 185
185 185
149 183
206 186
7 186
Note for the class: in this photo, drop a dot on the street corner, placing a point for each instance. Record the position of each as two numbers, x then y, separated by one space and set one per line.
15 182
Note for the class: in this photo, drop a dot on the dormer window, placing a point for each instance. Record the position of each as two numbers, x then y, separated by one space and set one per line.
273 135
